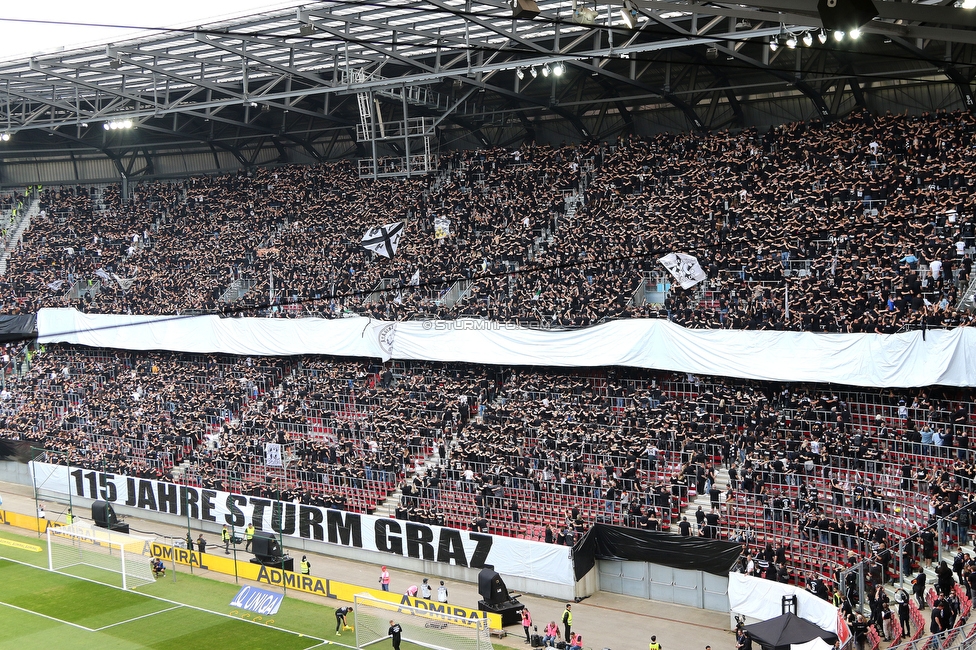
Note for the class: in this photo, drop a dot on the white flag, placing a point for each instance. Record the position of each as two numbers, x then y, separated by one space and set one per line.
442 227
103 274
414 279
124 283
54 286
685 269
272 454
384 240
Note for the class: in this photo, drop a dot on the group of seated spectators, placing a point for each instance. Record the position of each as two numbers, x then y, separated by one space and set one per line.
863 225
615 446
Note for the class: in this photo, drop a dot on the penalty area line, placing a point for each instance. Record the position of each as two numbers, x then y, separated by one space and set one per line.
50 618
168 609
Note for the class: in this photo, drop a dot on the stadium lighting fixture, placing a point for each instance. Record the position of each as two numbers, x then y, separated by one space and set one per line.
773 43
306 30
116 125
534 72
856 33
559 69
791 42
629 15
584 15
807 39
822 37
4 137
838 35
520 73
546 70
969 4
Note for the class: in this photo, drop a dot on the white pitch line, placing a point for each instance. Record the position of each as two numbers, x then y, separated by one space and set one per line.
168 609
164 600
58 620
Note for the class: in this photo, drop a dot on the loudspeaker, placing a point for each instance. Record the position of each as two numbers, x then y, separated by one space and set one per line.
525 9
845 15
103 514
265 545
492 588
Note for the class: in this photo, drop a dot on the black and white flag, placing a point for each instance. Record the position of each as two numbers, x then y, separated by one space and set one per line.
272 454
685 268
384 240
414 279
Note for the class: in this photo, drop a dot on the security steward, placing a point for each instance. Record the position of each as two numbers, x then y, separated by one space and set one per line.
306 566
225 538
248 536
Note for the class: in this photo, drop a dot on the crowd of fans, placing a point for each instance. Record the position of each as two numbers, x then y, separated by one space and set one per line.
820 479
863 226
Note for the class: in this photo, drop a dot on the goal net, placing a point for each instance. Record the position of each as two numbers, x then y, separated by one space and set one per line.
83 544
430 627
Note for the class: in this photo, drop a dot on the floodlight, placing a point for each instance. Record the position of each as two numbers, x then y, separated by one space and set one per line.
559 69
856 33
807 39
773 43
838 35
546 70
791 42
534 72
822 37
520 73
629 15
4 136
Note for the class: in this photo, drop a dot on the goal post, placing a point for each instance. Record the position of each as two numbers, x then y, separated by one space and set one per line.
430 627
83 544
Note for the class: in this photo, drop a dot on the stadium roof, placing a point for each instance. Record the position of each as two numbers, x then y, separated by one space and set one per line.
292 84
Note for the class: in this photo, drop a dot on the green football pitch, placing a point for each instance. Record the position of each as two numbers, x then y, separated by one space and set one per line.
41 609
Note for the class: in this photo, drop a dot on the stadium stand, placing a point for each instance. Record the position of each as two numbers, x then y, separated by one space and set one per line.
855 213
855 228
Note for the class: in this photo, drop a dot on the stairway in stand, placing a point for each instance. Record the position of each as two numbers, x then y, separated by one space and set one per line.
722 482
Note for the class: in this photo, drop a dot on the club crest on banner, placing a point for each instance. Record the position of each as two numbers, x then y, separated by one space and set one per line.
386 338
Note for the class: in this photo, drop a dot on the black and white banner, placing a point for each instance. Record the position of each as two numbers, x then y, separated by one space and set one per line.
272 454
384 240
510 557
685 269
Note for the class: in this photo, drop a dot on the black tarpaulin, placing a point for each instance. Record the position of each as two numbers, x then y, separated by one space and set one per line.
16 450
781 632
18 328
603 542
584 554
